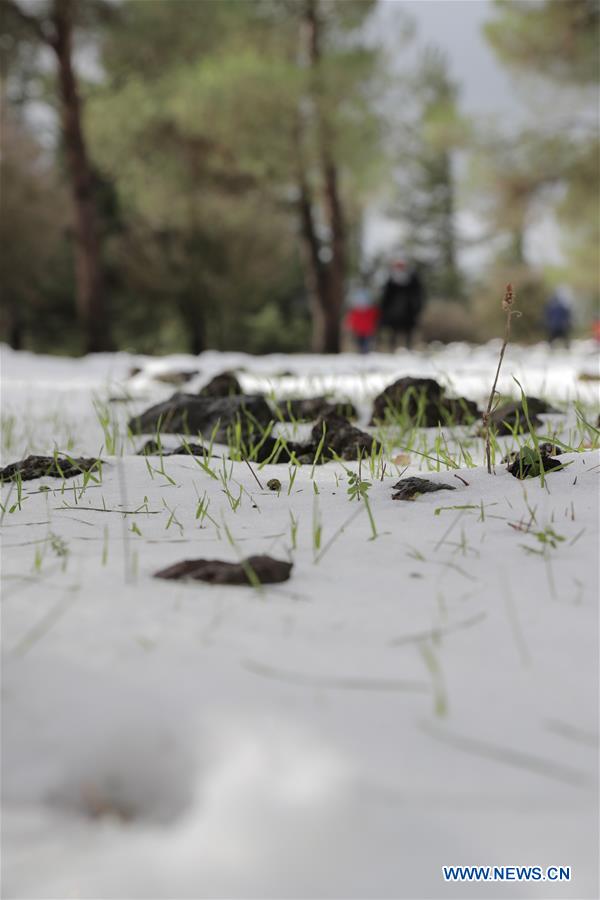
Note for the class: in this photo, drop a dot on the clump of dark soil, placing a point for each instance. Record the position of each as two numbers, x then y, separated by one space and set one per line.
48 466
342 439
538 406
225 384
262 569
187 413
409 488
269 448
307 409
151 448
528 463
510 415
424 401
546 449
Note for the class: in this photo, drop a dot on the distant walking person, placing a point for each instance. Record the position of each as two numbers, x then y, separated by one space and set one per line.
402 302
362 317
558 315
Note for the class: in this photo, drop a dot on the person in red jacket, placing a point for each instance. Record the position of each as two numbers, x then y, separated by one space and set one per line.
362 318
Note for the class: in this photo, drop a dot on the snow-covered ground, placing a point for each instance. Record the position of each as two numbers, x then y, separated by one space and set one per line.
426 698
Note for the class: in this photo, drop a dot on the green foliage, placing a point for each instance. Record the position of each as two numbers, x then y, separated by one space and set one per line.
35 262
357 488
204 147
276 329
554 38
578 213
547 538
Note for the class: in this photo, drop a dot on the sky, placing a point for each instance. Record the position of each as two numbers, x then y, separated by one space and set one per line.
486 91
456 27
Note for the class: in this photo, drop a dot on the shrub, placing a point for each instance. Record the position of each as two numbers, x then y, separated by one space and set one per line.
447 321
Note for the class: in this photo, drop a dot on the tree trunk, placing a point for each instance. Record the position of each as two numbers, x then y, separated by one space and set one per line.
192 317
337 265
451 275
316 274
332 298
326 293
197 334
90 303
15 328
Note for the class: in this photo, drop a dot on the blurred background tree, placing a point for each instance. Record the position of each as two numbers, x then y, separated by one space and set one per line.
549 39
425 174
198 243
555 46
288 95
35 265
515 180
52 24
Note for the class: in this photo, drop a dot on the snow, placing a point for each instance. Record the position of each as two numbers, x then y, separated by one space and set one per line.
426 698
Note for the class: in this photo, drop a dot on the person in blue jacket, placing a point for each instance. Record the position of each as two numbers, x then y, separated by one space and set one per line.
558 315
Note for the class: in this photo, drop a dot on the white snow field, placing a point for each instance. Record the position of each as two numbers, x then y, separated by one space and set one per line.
425 698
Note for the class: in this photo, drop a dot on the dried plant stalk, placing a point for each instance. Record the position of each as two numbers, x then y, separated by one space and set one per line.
508 307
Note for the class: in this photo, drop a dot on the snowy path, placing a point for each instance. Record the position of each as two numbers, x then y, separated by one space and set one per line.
426 698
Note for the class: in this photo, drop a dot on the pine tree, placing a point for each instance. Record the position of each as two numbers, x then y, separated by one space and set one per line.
425 174
274 99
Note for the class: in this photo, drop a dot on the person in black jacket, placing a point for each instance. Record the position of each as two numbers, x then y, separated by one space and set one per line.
402 302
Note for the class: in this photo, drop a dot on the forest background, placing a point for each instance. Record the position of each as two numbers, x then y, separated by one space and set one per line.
193 174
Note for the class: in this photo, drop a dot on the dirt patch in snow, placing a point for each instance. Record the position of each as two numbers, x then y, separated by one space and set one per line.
307 409
187 413
409 488
424 401
48 466
223 385
529 462
253 570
